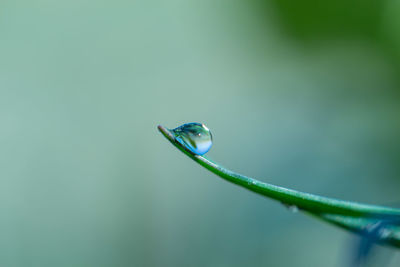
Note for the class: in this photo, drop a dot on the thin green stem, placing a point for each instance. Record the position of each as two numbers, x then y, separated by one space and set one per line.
305 201
352 216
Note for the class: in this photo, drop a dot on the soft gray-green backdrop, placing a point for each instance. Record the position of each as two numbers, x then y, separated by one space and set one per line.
303 96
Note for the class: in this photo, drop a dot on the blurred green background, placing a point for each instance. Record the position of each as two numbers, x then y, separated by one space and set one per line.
300 94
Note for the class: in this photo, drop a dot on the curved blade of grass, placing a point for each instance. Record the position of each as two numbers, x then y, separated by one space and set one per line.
352 216
304 201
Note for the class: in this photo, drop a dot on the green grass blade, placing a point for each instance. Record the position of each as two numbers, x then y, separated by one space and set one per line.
305 201
352 216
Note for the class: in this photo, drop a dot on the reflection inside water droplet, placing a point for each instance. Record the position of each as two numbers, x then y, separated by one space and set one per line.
195 137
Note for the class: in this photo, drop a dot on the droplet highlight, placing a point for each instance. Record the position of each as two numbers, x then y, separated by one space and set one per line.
195 137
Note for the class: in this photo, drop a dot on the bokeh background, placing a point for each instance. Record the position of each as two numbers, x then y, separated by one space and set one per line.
303 94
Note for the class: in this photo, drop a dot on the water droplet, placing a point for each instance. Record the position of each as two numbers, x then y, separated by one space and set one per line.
384 233
378 230
292 208
195 137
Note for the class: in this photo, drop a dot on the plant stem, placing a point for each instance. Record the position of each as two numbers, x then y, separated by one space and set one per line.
352 216
305 201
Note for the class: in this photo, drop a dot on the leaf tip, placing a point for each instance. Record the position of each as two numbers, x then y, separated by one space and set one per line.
167 133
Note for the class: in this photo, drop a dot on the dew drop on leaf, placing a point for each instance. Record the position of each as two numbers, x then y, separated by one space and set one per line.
195 137
292 208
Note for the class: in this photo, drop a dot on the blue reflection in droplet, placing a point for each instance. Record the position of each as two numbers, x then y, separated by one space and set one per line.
195 137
